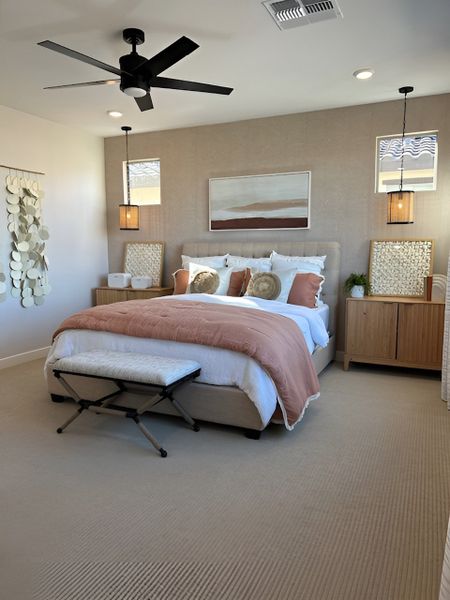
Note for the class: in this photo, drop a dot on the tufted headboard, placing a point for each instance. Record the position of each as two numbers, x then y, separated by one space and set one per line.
332 250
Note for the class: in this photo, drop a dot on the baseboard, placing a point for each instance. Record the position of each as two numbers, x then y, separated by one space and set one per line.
339 356
24 357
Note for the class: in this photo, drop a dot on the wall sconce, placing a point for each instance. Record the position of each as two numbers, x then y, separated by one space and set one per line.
128 213
401 202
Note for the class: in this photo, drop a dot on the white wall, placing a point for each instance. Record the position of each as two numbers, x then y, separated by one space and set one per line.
73 209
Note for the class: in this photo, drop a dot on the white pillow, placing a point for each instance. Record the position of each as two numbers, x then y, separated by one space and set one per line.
255 264
303 264
205 280
215 262
275 285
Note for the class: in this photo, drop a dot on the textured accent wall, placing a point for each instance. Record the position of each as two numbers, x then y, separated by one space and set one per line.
338 146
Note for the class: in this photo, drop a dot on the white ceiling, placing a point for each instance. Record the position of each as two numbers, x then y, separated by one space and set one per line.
273 72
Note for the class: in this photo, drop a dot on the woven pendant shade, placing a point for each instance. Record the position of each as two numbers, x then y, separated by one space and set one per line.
129 216
400 207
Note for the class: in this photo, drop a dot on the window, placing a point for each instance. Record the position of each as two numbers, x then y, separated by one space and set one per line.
144 181
419 164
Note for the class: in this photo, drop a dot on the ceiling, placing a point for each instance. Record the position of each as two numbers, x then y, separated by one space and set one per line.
273 72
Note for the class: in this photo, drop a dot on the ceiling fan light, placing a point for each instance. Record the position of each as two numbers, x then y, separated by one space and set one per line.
135 92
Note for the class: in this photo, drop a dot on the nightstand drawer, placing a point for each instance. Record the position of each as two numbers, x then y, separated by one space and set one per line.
107 295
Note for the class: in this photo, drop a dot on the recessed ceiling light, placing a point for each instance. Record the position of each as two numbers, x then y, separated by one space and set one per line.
363 73
114 113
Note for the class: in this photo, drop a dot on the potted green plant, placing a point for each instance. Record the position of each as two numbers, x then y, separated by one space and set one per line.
357 284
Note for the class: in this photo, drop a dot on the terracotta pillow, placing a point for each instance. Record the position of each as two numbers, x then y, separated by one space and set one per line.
180 281
238 282
305 289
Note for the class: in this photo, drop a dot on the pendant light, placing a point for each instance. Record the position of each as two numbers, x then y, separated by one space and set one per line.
401 202
128 213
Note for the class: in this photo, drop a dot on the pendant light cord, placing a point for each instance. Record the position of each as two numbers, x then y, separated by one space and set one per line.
403 143
126 129
128 166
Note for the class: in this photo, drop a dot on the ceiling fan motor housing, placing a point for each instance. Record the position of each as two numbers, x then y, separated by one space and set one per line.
130 63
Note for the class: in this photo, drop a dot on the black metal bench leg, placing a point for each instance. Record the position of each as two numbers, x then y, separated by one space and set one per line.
186 416
149 436
71 419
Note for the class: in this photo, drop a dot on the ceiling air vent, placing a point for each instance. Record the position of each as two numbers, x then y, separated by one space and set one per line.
293 13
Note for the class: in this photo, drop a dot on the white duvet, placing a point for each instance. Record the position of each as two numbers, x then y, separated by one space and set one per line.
219 366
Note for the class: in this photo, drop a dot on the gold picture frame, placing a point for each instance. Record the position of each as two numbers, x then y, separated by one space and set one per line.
397 267
145 258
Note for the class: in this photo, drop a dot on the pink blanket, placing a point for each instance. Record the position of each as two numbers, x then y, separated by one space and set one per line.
274 341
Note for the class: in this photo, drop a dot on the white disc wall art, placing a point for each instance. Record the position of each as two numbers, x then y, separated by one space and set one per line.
2 283
28 262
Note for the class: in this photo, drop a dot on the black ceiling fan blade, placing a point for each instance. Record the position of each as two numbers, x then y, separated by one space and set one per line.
84 84
168 57
192 86
145 102
78 56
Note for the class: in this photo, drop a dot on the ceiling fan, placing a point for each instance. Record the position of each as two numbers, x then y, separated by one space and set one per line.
139 74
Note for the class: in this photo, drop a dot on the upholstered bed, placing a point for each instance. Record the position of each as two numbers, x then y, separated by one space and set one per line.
228 404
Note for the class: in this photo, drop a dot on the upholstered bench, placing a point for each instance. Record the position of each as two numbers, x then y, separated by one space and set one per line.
130 372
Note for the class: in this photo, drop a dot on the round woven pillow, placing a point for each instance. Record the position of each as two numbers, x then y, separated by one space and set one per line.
205 282
264 285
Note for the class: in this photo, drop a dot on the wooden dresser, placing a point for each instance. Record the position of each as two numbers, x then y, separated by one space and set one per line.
108 295
406 332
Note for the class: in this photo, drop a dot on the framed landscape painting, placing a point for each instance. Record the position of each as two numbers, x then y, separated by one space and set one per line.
255 202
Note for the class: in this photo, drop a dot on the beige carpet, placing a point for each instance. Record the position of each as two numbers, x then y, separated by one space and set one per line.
352 505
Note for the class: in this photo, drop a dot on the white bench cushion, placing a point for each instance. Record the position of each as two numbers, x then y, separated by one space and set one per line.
128 366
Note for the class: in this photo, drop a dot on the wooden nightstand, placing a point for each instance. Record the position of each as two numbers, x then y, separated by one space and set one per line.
384 330
107 295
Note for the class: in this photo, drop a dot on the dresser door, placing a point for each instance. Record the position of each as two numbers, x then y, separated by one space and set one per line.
371 329
420 334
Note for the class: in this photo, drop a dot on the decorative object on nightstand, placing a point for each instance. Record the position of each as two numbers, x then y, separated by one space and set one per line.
119 280
438 287
141 282
128 213
357 285
404 332
398 267
401 202
145 259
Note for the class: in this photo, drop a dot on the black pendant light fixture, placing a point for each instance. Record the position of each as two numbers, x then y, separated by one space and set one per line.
401 202
128 213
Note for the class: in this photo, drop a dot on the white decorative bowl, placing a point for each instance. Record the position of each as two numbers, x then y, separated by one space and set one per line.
119 280
141 282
